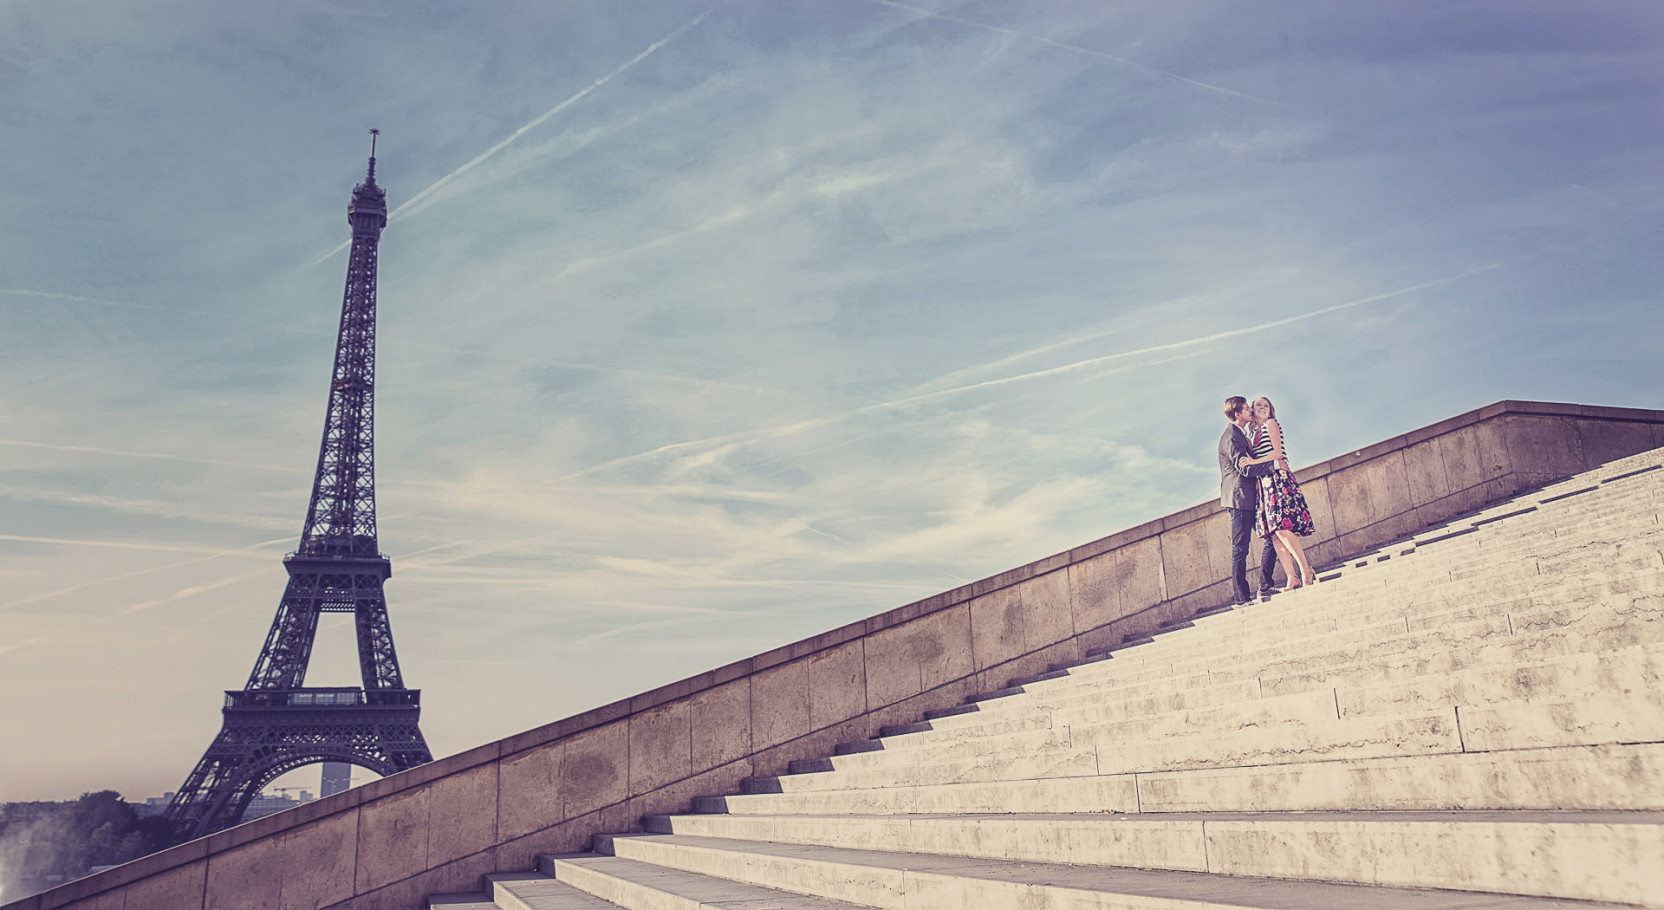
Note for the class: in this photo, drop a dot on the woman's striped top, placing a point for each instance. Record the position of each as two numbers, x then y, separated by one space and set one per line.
1260 446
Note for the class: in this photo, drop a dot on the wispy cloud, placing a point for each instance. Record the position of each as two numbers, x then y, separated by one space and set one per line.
194 590
411 203
161 456
74 298
1166 74
20 645
149 570
1083 364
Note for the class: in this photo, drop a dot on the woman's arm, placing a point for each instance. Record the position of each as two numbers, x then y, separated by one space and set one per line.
1277 453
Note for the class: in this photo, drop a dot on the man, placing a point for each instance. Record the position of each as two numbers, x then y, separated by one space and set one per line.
1238 493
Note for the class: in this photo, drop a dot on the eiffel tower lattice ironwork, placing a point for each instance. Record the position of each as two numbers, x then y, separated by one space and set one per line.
275 723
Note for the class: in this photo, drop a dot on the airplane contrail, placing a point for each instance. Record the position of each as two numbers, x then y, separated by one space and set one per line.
195 590
164 456
536 122
48 295
734 439
1075 47
134 574
1207 339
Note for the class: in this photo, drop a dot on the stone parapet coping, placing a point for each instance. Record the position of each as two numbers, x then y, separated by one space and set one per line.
492 808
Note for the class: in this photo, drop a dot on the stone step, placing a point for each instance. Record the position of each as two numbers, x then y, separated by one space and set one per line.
1479 619
535 891
1380 669
1292 611
467 901
1391 848
1480 554
1596 565
1378 589
616 881
1541 524
1514 637
923 881
1524 520
1616 776
1581 677
1609 691
1423 733
1417 577
1267 739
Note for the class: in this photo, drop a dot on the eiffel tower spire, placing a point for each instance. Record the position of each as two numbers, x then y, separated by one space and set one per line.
275 724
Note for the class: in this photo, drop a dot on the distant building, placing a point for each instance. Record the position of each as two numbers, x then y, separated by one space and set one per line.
268 803
337 777
153 805
264 804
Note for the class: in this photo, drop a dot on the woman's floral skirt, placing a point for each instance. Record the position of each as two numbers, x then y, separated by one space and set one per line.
1282 506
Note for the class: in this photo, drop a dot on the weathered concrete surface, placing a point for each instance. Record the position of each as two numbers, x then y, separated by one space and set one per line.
494 808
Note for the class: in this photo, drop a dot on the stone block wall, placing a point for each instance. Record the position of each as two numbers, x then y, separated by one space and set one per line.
437 828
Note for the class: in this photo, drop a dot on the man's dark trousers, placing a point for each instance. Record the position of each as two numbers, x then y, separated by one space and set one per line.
1242 523
1268 564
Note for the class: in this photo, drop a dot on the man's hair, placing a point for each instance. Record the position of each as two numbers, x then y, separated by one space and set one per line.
1234 406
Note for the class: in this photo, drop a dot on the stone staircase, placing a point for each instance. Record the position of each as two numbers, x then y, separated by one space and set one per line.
1472 717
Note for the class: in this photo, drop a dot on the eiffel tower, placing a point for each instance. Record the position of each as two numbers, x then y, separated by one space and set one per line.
275 723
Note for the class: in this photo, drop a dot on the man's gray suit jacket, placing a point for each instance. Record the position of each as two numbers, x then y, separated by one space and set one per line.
1237 487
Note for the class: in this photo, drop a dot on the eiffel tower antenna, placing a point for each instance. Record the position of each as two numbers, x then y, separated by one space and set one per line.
276 723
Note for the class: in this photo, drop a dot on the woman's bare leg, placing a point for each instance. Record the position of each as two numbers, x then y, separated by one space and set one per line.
1291 580
1291 543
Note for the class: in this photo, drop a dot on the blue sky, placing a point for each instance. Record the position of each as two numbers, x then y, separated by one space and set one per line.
709 326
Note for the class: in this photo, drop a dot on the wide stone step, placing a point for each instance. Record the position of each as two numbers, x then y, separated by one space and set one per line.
536 891
616 881
1598 856
917 881
1604 625
1280 731
1510 639
468 901
1283 624
1323 607
1417 734
1288 618
1418 579
1541 526
1611 679
1614 776
1506 668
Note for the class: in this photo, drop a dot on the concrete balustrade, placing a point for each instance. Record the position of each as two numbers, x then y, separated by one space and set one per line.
496 808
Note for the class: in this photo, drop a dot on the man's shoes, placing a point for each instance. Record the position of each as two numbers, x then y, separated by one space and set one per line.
1267 592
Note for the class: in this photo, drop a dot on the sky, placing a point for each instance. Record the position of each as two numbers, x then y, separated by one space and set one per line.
710 325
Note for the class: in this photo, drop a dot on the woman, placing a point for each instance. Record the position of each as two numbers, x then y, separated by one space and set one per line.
1282 516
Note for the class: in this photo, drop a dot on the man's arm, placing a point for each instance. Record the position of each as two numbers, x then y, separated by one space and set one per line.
1239 451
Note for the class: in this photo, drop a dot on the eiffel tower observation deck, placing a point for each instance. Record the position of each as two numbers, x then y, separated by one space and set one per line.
275 723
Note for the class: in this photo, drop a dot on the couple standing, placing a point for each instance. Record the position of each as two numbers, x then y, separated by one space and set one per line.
1257 488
